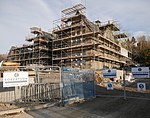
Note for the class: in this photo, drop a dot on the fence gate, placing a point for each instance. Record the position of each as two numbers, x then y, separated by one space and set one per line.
43 84
126 86
77 85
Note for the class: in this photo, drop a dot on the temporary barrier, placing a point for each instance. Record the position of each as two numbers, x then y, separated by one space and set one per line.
78 85
134 84
30 83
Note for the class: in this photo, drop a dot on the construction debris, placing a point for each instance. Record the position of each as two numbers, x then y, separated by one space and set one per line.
11 64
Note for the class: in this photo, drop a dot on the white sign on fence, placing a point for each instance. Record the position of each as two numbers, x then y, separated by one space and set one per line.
109 73
12 79
141 86
110 86
140 72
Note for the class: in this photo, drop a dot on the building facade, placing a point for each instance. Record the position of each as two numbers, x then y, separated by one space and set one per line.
38 50
80 43
75 42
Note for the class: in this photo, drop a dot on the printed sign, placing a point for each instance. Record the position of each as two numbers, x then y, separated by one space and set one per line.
140 72
109 73
12 79
110 86
141 86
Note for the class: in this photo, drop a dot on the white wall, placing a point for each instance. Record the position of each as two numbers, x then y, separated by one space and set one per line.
124 52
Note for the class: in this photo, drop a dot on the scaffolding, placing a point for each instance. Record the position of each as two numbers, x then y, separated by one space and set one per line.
38 51
80 43
75 42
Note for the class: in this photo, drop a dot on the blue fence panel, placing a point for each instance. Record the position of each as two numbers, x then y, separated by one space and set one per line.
89 89
78 85
79 90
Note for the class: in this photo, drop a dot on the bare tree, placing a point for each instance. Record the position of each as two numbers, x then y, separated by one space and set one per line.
2 57
140 48
142 51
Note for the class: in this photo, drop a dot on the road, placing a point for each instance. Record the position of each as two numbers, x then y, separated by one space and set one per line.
109 106
101 107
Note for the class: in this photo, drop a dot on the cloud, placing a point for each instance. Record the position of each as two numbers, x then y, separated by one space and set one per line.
133 15
140 33
17 16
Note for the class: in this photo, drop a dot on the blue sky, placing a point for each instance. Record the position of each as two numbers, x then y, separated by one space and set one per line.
17 16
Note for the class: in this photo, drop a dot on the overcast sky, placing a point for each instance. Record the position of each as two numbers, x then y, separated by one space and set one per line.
17 16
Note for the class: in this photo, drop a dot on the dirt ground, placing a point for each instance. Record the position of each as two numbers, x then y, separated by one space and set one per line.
107 104
131 90
101 107
4 107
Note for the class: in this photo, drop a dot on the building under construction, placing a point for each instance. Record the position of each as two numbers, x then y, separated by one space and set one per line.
38 50
75 42
80 43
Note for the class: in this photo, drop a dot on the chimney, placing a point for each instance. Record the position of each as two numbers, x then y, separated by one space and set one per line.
98 23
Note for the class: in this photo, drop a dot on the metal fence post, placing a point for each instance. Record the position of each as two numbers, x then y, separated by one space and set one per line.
124 84
37 74
61 87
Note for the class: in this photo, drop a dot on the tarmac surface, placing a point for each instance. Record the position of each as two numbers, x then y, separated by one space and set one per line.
107 104
101 107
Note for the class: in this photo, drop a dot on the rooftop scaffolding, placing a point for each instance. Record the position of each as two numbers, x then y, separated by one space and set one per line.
79 7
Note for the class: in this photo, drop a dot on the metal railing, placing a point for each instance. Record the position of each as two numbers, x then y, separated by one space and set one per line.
43 84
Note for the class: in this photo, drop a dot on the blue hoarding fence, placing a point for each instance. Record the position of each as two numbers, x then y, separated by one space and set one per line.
78 85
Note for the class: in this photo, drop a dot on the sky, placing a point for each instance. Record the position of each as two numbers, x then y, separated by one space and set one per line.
18 16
